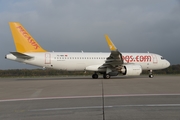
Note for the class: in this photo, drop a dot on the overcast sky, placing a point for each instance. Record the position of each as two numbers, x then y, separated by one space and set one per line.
75 25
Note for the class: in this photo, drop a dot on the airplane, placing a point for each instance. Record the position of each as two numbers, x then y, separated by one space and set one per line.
108 64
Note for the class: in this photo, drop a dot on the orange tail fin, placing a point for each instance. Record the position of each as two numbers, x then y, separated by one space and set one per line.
23 41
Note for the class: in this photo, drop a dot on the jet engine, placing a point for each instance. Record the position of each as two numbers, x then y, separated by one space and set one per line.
131 70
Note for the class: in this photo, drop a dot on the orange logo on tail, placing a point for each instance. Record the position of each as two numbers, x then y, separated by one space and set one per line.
29 39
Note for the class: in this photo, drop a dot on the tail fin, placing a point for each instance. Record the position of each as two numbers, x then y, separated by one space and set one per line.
23 41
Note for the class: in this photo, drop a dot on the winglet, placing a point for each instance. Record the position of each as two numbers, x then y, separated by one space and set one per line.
112 47
23 41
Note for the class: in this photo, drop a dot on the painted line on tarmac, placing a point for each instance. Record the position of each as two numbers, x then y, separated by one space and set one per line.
100 107
95 96
69 108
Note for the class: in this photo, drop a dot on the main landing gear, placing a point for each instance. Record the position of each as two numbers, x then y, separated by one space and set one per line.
105 76
95 76
151 74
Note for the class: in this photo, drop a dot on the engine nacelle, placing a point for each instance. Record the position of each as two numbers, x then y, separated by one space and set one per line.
131 70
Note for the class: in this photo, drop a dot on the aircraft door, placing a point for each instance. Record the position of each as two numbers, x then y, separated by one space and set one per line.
154 58
47 58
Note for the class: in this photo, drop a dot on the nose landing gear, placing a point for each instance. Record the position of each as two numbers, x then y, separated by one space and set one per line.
151 74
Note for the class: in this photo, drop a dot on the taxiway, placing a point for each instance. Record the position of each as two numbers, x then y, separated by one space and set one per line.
80 98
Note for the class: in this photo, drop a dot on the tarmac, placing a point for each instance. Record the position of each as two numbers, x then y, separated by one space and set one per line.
83 98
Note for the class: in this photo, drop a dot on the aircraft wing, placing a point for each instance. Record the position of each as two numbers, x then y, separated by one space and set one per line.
21 55
115 59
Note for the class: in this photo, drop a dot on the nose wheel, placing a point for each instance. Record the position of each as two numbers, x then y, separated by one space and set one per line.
151 74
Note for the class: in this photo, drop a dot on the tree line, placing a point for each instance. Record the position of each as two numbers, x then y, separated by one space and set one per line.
173 69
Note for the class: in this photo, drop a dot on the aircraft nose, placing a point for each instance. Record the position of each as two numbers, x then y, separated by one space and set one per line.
168 63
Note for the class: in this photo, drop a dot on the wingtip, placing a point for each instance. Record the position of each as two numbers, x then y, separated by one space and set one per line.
106 35
112 47
11 22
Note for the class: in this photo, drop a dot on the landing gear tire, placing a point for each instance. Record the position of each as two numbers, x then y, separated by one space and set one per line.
95 76
151 76
106 76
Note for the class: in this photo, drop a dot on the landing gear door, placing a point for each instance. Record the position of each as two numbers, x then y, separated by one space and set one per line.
47 58
154 58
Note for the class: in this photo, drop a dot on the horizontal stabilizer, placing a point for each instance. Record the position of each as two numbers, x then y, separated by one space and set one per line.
21 55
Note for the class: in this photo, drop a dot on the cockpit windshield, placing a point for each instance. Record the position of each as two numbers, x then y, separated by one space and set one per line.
162 58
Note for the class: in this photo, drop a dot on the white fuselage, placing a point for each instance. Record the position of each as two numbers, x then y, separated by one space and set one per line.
78 61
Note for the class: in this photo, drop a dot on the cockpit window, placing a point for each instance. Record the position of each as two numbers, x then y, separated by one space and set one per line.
162 58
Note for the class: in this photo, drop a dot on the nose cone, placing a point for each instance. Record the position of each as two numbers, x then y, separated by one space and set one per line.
167 63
